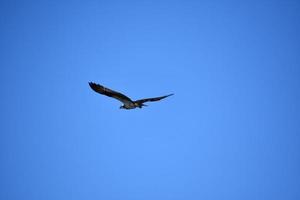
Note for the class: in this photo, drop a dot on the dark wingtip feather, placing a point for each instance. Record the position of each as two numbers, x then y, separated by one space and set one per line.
92 85
169 95
96 87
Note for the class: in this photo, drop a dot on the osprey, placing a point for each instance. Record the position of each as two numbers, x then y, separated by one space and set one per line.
128 103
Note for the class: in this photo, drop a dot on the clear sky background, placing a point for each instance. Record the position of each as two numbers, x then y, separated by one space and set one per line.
231 131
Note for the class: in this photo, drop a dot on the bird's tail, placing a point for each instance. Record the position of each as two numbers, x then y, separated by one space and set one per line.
142 105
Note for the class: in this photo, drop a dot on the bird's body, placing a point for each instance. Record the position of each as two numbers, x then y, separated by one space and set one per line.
127 102
130 105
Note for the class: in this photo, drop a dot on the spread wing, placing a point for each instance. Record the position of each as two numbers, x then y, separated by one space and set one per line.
140 101
110 93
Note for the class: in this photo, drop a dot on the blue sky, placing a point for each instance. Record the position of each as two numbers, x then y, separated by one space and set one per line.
231 131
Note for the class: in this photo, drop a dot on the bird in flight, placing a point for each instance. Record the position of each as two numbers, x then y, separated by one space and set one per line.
127 102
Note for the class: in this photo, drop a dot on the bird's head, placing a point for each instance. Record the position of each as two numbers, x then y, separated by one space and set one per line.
122 107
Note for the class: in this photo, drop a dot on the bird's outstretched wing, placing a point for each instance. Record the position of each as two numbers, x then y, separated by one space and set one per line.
110 93
140 101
